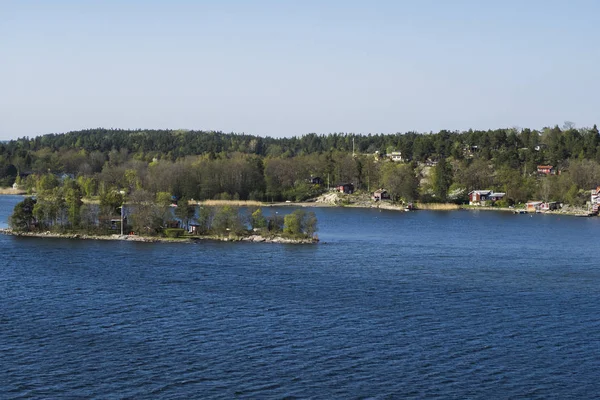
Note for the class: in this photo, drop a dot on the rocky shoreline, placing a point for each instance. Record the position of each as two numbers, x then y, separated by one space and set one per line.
566 210
150 239
363 201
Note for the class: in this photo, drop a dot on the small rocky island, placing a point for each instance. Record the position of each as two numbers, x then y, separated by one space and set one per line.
154 239
155 219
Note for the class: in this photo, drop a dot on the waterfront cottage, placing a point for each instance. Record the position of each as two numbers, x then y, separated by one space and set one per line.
316 180
381 194
477 196
194 229
549 206
115 223
545 170
496 196
533 206
481 197
174 224
595 198
347 188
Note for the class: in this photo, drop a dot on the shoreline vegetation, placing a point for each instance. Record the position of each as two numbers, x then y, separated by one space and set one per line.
342 200
83 180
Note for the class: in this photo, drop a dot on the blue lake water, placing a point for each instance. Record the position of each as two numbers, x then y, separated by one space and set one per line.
390 305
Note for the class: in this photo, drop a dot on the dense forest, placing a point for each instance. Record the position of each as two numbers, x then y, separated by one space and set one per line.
435 167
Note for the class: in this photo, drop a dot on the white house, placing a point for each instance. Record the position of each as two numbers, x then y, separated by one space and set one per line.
396 156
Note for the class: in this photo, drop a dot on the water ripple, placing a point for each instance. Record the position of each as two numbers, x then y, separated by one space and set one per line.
402 315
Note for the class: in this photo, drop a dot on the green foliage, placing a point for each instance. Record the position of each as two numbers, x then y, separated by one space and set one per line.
49 210
310 224
302 191
292 224
132 180
22 218
300 224
576 197
504 203
205 218
146 217
185 211
213 165
475 174
163 198
8 174
112 199
71 191
224 196
458 194
584 173
442 179
400 181
258 220
227 220
89 217
174 232
47 182
88 185
275 223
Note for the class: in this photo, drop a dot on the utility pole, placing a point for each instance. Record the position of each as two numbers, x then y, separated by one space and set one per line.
122 206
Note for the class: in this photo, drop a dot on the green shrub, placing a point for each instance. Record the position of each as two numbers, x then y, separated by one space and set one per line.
257 220
300 224
504 203
228 220
174 232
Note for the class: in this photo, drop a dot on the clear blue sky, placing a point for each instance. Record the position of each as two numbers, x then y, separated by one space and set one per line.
283 68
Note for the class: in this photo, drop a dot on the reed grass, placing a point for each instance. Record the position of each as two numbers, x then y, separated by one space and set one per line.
438 206
236 203
10 190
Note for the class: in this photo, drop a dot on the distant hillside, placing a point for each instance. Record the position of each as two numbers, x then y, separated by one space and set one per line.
556 144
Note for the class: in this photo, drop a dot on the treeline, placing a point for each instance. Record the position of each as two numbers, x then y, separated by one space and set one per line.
145 145
441 166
